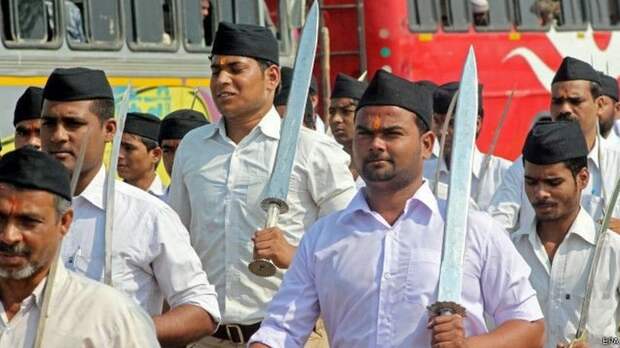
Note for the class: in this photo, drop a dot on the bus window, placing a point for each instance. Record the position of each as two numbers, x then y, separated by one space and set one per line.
572 15
92 24
151 25
240 11
198 24
605 14
454 15
536 15
494 17
422 16
30 23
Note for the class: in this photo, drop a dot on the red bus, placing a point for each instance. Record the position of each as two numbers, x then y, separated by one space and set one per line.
428 40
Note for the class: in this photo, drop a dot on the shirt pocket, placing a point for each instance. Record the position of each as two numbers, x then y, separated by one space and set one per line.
423 277
594 205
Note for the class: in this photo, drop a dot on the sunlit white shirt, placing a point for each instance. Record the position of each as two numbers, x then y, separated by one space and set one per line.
561 285
483 185
217 187
82 313
152 257
372 282
512 209
158 189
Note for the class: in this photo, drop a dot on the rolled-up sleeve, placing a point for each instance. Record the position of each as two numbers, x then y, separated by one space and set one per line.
294 310
508 294
507 200
178 269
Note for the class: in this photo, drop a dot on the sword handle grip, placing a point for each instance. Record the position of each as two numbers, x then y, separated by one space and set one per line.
273 213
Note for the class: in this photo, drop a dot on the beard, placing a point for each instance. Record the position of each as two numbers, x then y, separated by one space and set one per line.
386 172
21 273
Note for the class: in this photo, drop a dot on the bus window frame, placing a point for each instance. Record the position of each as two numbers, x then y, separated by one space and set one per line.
129 34
527 28
596 25
115 45
467 17
422 28
52 44
573 26
491 28
198 48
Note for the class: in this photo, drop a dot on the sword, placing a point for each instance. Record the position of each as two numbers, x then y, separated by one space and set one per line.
110 185
455 229
600 242
487 157
442 140
51 277
277 188
362 77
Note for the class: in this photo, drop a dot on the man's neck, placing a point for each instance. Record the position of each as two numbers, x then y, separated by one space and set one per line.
552 233
14 291
239 127
144 182
389 202
590 140
86 177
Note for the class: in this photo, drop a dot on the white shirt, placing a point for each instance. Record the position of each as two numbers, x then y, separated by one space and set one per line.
152 255
217 187
482 188
372 282
82 313
158 189
512 209
561 286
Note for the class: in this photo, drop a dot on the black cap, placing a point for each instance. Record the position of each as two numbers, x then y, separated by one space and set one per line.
282 98
142 124
36 170
551 142
286 79
348 87
609 86
246 40
178 123
77 84
388 89
442 96
573 69
28 106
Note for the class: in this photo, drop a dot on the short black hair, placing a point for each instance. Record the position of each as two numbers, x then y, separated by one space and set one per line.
263 64
576 165
149 143
422 127
595 89
103 108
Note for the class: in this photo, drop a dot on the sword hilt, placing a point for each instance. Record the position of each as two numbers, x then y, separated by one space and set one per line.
274 207
447 308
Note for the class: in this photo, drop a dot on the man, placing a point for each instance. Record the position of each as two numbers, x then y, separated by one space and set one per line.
152 258
173 128
610 108
140 153
480 10
575 95
559 242
35 211
484 181
281 99
373 268
27 118
345 96
221 172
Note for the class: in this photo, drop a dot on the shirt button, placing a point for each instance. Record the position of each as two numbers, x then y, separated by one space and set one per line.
387 276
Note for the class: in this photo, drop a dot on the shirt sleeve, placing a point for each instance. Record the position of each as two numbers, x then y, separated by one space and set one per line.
330 181
507 292
506 201
295 308
178 269
133 328
179 195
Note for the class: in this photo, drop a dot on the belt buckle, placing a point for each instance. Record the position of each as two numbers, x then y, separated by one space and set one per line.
239 333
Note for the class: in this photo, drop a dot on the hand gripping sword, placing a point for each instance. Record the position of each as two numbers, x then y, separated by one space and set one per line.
277 188
455 228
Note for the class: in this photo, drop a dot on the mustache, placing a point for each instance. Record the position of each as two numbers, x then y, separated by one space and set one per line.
566 117
19 249
377 157
538 204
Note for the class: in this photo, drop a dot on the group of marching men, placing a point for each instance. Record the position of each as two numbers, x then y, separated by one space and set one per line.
359 250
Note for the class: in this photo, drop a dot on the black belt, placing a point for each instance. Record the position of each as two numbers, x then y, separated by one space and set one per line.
236 333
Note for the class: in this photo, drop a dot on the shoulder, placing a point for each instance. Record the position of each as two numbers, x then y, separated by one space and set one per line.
143 202
501 163
313 144
485 232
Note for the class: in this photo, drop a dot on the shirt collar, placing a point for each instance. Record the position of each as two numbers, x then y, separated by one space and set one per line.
94 191
423 198
594 153
583 226
476 167
269 125
157 187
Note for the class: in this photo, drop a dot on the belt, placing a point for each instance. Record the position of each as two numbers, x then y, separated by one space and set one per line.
236 333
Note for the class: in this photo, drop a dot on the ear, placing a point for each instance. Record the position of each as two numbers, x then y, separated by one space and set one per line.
65 221
272 77
600 105
427 140
109 129
582 178
156 154
617 110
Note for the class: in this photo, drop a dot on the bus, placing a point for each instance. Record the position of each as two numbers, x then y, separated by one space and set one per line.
518 47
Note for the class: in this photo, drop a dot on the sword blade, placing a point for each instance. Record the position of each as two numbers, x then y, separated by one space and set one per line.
277 188
110 185
455 230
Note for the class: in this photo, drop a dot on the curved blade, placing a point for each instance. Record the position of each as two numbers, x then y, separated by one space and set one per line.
277 189
451 274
